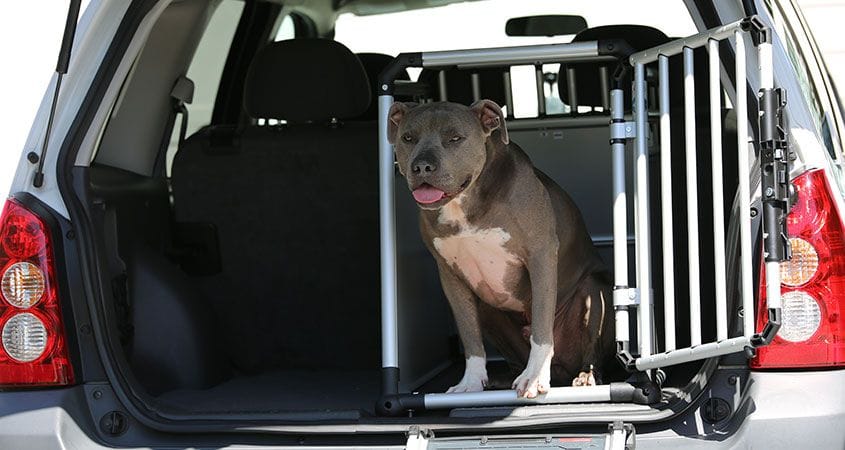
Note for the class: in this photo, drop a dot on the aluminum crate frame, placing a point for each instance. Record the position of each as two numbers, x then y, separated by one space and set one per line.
394 402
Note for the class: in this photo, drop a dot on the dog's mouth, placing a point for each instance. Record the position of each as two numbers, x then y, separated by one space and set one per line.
426 194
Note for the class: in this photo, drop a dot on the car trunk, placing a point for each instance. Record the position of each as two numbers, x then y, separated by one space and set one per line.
212 327
244 293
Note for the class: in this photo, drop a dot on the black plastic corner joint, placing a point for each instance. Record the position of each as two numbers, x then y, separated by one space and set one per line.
628 362
769 331
618 48
760 33
389 74
389 380
399 404
621 50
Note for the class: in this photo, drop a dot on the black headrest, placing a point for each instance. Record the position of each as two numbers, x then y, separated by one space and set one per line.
459 84
303 80
587 78
373 64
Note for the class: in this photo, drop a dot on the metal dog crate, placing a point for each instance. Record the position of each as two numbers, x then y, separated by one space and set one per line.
639 356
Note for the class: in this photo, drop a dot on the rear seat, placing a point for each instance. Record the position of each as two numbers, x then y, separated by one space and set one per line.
295 207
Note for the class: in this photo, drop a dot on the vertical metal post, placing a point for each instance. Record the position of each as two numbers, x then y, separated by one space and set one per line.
441 85
387 224
572 88
642 208
476 86
541 91
506 79
620 222
692 198
604 81
666 201
746 260
718 192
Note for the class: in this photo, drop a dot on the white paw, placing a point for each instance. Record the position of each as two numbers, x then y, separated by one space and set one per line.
475 376
536 378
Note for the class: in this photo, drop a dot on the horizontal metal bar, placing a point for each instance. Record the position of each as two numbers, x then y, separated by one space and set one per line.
579 394
677 46
529 54
703 351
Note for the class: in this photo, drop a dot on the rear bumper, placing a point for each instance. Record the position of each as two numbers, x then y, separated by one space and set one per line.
775 410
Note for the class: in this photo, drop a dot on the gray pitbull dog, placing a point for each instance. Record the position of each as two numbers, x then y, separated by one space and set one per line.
513 253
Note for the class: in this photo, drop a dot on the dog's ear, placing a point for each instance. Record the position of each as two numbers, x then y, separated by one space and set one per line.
394 118
491 118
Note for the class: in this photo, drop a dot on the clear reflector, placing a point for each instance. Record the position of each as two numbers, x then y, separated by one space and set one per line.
801 317
803 265
24 337
22 284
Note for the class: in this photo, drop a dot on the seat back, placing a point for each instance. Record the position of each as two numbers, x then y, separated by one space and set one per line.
295 208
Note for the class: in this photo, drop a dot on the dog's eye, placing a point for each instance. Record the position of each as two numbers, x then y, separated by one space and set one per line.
407 138
455 138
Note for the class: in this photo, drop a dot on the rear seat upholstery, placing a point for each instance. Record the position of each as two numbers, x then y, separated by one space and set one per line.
295 207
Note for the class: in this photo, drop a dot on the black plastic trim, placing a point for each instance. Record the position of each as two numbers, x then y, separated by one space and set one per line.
400 63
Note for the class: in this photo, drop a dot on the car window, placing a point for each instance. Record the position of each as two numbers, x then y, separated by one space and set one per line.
480 24
206 69
811 74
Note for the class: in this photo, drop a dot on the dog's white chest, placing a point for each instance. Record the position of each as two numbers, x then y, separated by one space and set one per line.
482 257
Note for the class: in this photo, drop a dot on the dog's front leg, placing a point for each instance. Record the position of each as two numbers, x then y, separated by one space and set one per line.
536 378
464 304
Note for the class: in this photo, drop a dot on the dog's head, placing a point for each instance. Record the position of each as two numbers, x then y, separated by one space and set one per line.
440 147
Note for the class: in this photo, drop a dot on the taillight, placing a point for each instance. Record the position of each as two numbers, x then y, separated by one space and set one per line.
812 332
33 347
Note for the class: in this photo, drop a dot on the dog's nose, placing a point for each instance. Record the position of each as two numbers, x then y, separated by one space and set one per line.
423 167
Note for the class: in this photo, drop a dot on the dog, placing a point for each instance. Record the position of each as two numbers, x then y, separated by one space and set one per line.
514 257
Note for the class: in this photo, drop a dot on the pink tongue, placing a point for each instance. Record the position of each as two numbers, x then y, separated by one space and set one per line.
428 194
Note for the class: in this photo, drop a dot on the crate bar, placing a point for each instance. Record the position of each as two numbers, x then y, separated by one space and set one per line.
703 351
746 260
527 55
718 193
506 79
572 88
441 86
570 394
692 199
476 86
666 200
604 81
677 46
642 212
387 224
620 223
541 90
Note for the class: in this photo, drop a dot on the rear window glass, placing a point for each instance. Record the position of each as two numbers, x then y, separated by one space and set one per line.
481 24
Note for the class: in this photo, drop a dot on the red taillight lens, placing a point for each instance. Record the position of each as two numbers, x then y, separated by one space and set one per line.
33 347
812 333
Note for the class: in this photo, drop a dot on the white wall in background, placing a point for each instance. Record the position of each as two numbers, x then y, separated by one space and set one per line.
825 20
